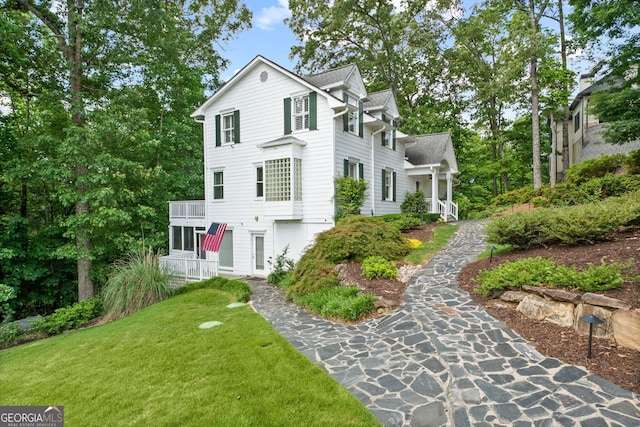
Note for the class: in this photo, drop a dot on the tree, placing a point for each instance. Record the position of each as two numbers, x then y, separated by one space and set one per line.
126 92
614 23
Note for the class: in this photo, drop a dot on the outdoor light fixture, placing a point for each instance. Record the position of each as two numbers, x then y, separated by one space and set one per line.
491 248
591 320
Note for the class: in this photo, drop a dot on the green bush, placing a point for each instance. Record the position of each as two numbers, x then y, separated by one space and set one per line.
66 318
135 283
403 221
571 225
338 303
633 162
514 197
357 237
350 195
7 293
312 274
594 168
9 333
376 267
415 203
541 271
280 267
240 290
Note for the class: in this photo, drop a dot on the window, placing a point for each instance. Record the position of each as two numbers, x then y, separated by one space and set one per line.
278 176
576 122
218 185
228 128
176 238
388 185
386 139
225 256
259 181
353 168
353 119
301 113
182 238
189 239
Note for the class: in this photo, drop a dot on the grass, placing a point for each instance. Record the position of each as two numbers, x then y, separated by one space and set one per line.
156 367
441 235
499 249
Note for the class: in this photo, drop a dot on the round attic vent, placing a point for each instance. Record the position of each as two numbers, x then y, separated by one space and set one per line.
264 76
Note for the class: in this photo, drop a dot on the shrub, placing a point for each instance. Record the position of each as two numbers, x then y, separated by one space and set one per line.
338 302
403 221
312 275
7 293
376 267
536 271
241 291
9 333
633 162
594 168
66 318
135 283
350 194
514 197
413 243
415 203
280 267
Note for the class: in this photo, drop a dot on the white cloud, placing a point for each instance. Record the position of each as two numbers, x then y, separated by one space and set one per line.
270 16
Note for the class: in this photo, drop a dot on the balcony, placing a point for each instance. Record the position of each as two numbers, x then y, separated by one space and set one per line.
192 209
184 268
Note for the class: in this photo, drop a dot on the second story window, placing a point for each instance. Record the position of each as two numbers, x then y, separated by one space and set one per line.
576 122
218 185
353 118
301 113
259 181
227 128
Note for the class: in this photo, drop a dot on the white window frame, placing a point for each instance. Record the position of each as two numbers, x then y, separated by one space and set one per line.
300 111
353 115
218 185
259 181
388 184
228 127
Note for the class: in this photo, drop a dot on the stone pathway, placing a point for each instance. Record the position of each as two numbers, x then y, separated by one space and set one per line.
442 360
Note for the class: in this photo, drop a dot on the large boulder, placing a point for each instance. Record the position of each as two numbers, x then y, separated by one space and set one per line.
602 330
560 313
626 328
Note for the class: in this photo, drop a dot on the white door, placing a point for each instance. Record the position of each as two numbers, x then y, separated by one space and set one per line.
258 254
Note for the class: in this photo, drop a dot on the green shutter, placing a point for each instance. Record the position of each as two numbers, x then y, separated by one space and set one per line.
345 116
361 170
236 126
360 118
393 135
313 111
287 116
382 140
394 186
218 141
384 173
346 167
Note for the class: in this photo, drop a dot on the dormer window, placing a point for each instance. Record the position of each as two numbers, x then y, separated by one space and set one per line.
353 118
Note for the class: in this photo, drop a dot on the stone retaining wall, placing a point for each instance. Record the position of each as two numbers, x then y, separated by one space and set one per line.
565 308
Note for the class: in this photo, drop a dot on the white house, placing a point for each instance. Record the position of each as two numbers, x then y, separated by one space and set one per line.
274 144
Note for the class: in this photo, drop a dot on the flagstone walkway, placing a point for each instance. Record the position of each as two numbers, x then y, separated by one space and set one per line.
442 360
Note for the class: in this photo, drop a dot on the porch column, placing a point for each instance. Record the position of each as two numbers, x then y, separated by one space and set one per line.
434 191
449 193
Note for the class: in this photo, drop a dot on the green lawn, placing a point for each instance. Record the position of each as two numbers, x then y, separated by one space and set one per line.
156 367
441 236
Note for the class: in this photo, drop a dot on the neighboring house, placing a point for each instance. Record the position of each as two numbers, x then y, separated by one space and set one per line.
274 144
585 131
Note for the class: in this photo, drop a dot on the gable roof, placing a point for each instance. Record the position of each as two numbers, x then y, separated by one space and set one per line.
432 149
332 78
603 84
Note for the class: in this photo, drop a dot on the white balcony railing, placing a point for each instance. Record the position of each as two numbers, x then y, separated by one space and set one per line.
447 210
187 209
184 268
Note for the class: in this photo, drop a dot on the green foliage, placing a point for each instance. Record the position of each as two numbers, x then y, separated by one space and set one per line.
594 168
350 195
377 267
311 275
415 203
403 221
240 290
280 268
135 283
9 333
66 318
286 282
514 197
7 293
542 271
357 237
633 162
571 225
441 235
338 303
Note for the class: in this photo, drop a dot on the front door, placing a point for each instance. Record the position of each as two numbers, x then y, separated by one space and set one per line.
258 254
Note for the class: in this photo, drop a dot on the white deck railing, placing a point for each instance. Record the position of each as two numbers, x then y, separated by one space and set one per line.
187 209
187 269
447 210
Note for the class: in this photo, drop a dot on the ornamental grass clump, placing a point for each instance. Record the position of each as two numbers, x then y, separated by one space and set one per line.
136 282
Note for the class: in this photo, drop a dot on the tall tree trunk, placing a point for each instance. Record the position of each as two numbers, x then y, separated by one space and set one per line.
535 98
566 114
